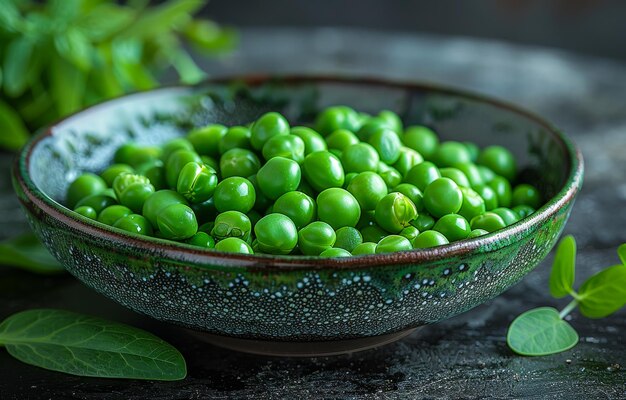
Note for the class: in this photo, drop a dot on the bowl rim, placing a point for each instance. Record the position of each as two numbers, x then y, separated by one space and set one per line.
195 257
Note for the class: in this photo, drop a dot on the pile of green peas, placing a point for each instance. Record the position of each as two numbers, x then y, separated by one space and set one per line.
352 184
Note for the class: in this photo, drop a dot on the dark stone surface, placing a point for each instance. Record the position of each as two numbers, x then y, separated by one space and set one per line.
464 357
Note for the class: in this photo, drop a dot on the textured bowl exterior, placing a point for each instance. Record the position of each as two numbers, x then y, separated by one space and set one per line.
295 299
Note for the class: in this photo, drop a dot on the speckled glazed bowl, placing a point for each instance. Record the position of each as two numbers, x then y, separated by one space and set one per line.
292 305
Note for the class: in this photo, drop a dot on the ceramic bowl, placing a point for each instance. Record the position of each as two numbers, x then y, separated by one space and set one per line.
287 304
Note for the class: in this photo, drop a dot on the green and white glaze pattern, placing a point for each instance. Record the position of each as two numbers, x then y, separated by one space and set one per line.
291 298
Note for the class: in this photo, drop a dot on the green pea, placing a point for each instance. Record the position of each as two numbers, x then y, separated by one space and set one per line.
413 193
429 239
233 245
367 188
525 194
456 175
236 137
254 216
201 239
337 117
421 139
261 202
132 190
97 201
206 140
472 205
410 232
442 196
393 243
239 162
422 175
453 226
298 206
278 176
85 185
205 211
371 125
485 173
232 224
268 125
158 201
508 216
207 227
523 210
336 153
391 177
276 234
87 211
476 233
499 160
111 214
364 249
305 188
373 233
340 139
392 119
175 163
173 145
488 221
134 223
489 196
503 190
367 219
349 177
313 141
348 238
408 159
288 146
394 212
196 182
114 170
423 222
134 155
471 172
473 150
450 153
360 157
234 193
387 144
177 222
338 208
155 172
316 237
322 170
335 253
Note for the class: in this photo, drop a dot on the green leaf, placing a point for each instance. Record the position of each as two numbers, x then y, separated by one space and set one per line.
621 252
603 293
10 18
540 332
563 268
163 18
186 67
88 346
27 252
74 46
67 85
13 133
104 21
209 36
16 62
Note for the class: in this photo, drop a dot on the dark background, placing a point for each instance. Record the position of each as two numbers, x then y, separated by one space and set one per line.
595 27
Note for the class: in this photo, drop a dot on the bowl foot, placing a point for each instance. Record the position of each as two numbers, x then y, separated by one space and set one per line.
301 349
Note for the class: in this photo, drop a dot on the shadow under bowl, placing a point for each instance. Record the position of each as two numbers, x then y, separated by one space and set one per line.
309 305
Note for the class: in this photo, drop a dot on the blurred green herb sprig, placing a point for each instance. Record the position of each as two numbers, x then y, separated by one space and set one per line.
61 55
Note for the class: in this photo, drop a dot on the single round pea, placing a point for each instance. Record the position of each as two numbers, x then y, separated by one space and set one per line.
450 153
111 214
364 248
503 190
367 188
134 223
134 155
236 137
473 150
234 193
278 176
453 226
155 172
423 222
206 140
360 157
334 253
387 144
231 224
87 211
371 125
201 239
323 170
471 172
391 177
408 159
421 139
499 160
473 204
175 163
485 173
392 119
373 233
429 239
393 243
205 211
338 208
348 179
442 196
413 193
158 201
299 207
173 145
456 175
239 162
177 222
196 182
476 233
422 175
85 185
337 117
488 221
276 234
132 190
410 232
340 139
114 170
268 125
508 216
348 238
522 210
316 237
488 195
233 245
97 201
527 195
288 146
394 212
313 141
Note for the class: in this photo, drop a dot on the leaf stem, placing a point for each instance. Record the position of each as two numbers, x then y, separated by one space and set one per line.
568 308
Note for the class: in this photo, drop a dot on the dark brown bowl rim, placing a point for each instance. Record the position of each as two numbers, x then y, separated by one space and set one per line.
189 255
